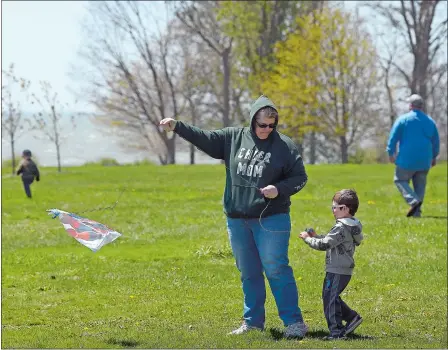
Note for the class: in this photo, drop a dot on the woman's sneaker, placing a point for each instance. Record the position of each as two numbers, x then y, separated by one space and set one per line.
296 330
244 328
353 324
335 337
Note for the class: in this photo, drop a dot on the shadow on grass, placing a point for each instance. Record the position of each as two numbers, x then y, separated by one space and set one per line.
434 217
277 334
122 342
359 337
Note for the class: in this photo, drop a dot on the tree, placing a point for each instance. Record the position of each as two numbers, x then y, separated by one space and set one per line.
332 89
256 26
133 80
201 19
386 63
12 114
421 29
414 22
49 119
194 86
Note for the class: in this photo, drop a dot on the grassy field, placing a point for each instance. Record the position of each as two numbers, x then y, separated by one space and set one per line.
170 280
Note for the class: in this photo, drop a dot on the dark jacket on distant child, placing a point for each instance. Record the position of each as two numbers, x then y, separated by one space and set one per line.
29 171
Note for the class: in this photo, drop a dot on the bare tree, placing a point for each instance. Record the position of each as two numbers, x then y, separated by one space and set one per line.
414 22
194 86
49 120
348 107
132 80
421 28
200 17
386 63
12 114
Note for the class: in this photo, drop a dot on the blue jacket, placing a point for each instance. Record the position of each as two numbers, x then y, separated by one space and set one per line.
418 140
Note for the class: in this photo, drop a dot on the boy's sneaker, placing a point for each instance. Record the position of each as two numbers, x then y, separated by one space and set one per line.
296 330
414 208
353 324
244 328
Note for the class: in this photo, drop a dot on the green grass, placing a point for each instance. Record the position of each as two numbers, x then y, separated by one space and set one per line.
170 280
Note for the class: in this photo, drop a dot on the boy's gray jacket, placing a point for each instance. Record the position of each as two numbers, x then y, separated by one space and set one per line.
340 245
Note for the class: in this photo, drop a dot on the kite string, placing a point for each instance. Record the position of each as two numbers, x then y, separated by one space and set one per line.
267 205
110 207
251 185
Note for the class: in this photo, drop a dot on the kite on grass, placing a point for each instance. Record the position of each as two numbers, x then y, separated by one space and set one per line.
89 233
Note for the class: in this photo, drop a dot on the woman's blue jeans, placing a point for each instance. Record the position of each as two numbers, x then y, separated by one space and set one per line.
256 250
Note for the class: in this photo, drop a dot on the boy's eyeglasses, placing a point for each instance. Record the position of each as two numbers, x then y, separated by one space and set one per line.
333 207
264 126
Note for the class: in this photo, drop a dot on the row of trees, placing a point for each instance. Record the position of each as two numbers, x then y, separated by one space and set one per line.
17 95
336 83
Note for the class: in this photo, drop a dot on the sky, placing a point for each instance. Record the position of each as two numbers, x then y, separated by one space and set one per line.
42 39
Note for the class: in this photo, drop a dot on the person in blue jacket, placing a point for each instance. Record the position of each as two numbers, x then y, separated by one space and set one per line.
418 139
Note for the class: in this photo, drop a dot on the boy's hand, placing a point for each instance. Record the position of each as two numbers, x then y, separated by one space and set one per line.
304 235
310 232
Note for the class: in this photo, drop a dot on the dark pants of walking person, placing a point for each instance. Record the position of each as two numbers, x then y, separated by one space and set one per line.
27 185
335 309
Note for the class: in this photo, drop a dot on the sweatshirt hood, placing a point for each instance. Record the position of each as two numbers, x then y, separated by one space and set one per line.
355 228
350 221
260 103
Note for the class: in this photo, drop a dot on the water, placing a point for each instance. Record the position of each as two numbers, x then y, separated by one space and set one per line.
86 143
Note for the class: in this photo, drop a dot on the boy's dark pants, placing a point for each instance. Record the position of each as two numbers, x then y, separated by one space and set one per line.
27 185
335 309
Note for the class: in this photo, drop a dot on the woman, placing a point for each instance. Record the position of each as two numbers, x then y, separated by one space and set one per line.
264 169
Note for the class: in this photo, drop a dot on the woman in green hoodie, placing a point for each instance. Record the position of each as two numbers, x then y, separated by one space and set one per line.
263 169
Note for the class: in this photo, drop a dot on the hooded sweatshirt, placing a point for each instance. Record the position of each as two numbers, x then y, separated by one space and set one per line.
251 163
340 245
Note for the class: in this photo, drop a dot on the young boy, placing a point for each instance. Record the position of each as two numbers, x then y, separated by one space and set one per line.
29 171
340 245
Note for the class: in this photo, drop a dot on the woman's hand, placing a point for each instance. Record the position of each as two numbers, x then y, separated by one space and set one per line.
168 124
269 191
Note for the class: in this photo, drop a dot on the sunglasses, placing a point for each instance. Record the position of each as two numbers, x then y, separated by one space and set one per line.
264 126
333 207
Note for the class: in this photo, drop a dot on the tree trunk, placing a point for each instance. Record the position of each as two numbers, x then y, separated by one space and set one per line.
193 121
312 147
13 159
299 147
192 154
226 87
58 155
344 150
171 148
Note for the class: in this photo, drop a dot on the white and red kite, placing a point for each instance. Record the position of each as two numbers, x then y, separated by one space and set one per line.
89 233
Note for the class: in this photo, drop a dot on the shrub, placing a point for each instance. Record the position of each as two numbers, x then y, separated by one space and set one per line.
143 162
104 162
7 163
